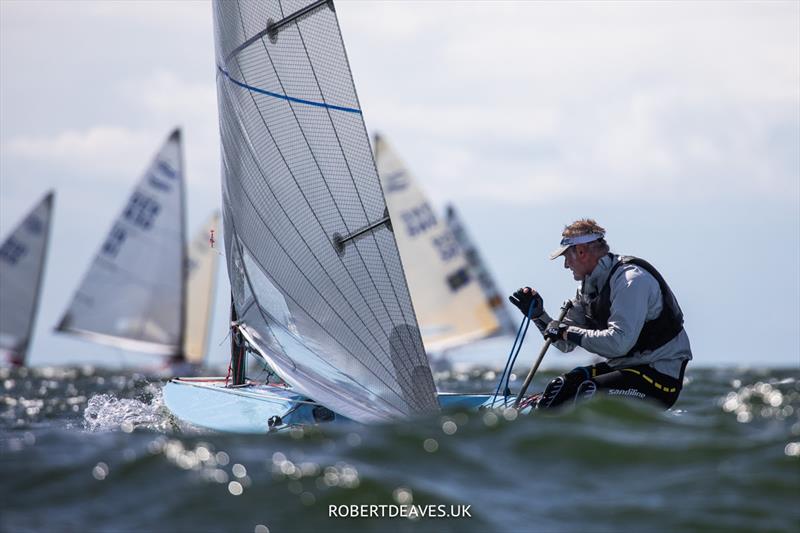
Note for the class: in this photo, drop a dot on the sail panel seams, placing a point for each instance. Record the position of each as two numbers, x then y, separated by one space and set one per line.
290 241
301 192
299 383
332 337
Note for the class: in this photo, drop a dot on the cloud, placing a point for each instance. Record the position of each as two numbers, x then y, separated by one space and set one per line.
164 14
164 92
160 101
101 148
103 153
508 101
560 102
165 97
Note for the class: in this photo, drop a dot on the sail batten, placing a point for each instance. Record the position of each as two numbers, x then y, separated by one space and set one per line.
341 329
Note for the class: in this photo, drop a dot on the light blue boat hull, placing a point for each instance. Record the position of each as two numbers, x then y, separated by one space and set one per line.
208 403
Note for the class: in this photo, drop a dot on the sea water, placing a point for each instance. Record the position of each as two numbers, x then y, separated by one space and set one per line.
88 449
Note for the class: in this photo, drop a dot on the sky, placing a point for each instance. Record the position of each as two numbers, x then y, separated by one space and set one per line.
676 125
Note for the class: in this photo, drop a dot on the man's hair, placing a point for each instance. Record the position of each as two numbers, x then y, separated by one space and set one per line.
586 226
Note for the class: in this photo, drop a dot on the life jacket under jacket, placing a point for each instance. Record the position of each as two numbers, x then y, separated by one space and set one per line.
656 332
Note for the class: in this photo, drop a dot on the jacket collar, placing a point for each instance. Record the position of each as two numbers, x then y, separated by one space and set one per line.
595 281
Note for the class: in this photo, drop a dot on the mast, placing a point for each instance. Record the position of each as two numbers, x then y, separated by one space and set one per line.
181 355
238 351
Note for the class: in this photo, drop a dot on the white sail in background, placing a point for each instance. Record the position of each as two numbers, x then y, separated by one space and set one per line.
450 305
22 259
480 271
314 269
132 296
201 277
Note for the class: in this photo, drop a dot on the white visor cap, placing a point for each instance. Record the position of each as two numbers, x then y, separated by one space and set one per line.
566 242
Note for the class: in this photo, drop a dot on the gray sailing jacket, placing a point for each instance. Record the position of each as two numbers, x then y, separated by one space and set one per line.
635 298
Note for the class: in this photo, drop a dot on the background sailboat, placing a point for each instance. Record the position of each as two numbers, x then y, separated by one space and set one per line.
132 296
448 299
22 260
480 271
201 275
136 293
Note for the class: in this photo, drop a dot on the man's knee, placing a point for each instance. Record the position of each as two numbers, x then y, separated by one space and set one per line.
566 388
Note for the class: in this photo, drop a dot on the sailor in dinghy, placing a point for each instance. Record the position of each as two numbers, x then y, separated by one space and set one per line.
624 312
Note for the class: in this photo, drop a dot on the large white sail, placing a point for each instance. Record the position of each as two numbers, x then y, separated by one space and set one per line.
481 272
22 259
132 296
450 305
315 273
201 276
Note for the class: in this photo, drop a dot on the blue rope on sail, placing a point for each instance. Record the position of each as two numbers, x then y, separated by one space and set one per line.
512 357
289 98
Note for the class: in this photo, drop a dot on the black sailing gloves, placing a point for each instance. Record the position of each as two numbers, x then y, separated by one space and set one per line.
524 297
558 331
554 331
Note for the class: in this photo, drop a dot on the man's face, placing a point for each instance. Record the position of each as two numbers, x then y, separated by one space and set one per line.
577 260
